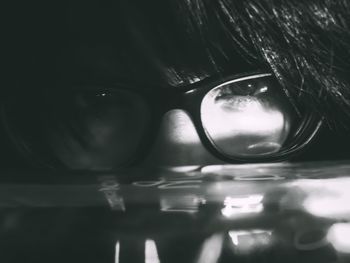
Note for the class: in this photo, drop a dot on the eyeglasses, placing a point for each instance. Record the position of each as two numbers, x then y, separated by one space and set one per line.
246 118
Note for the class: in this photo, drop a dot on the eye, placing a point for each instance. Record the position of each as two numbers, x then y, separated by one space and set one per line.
86 128
249 118
103 129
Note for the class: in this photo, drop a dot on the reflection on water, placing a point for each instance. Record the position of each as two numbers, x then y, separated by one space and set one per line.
339 236
211 249
151 254
194 217
241 205
186 203
245 241
332 201
117 251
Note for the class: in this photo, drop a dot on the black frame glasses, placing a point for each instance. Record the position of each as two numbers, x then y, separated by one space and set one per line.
188 98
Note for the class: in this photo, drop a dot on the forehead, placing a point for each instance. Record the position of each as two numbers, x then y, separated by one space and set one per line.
105 42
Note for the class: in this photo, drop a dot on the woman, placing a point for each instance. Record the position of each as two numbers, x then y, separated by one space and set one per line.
105 85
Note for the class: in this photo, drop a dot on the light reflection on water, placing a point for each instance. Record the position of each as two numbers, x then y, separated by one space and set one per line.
208 217
339 236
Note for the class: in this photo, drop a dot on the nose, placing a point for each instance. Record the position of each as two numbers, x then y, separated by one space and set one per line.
178 144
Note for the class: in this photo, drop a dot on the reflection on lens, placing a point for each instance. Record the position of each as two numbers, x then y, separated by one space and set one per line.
248 117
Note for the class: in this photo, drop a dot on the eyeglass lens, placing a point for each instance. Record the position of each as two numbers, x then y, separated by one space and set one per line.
250 117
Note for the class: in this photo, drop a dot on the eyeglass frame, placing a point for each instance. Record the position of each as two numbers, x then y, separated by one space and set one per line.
189 98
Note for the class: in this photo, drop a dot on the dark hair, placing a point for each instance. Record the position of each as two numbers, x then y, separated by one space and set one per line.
306 44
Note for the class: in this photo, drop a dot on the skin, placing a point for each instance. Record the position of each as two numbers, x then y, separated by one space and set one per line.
176 143
170 148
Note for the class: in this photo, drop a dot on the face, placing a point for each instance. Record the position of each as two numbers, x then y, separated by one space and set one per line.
100 127
112 84
96 86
